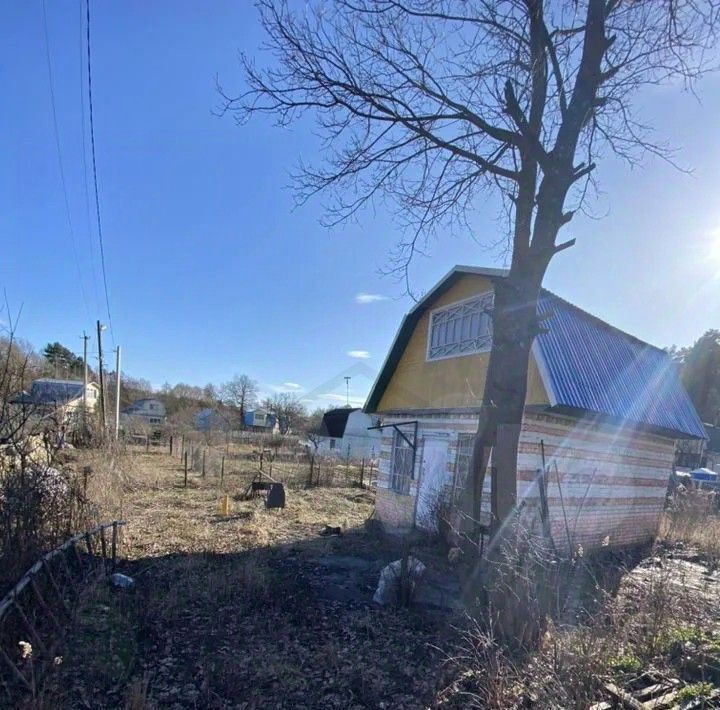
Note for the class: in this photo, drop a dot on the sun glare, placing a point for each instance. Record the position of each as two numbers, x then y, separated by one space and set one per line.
712 251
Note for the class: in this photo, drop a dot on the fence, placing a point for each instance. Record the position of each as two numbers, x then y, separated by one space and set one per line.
288 461
41 605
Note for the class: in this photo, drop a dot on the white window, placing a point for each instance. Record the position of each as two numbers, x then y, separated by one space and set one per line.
462 328
401 464
462 464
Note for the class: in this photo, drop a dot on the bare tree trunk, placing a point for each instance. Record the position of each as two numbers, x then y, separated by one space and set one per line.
515 325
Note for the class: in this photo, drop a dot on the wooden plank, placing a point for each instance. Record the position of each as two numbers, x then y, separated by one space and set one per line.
667 700
625 699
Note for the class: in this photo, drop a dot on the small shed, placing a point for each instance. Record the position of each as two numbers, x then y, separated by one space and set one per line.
603 412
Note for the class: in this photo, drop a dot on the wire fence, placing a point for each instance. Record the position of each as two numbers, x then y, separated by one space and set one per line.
284 459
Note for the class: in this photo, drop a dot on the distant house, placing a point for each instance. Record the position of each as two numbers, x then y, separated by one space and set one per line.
261 420
212 418
603 411
345 433
148 411
60 398
694 454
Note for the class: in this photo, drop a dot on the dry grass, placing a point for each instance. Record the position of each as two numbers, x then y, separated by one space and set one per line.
167 518
693 521
228 614
230 611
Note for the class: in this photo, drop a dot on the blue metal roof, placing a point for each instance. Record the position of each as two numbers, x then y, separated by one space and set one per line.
587 364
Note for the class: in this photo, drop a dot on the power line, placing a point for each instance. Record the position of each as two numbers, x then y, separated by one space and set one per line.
60 161
94 166
88 219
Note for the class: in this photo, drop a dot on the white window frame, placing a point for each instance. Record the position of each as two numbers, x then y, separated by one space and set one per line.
397 482
486 299
460 478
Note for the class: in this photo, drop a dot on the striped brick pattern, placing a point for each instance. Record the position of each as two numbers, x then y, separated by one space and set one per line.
606 485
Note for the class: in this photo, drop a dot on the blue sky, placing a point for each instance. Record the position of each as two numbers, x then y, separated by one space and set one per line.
212 271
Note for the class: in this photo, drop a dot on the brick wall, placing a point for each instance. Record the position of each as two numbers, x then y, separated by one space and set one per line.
606 484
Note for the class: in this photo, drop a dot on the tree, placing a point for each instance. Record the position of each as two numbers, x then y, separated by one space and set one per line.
240 392
701 375
431 103
313 424
289 410
64 361
210 392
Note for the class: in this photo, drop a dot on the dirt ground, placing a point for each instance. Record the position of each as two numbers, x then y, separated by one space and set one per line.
251 610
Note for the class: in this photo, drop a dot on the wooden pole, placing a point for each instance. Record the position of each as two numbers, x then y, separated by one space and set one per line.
203 463
186 466
222 470
117 393
102 380
171 445
113 545
362 473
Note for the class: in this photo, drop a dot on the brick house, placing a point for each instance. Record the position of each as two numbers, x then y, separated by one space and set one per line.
605 407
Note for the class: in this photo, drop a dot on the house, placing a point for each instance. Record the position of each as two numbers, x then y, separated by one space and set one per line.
602 406
212 418
61 398
346 433
712 448
148 411
261 420
694 454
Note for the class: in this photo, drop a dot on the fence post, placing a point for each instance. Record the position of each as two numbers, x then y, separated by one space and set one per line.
147 444
203 463
186 469
114 545
262 454
362 473
182 446
171 445
222 470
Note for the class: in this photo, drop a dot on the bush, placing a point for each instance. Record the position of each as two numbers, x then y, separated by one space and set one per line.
39 508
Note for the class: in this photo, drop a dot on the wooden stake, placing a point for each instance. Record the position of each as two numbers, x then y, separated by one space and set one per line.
186 467
114 544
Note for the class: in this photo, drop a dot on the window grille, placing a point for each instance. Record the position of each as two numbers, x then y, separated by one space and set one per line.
401 465
461 329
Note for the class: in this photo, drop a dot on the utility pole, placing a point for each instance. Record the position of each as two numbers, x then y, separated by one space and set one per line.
103 413
347 388
85 338
117 393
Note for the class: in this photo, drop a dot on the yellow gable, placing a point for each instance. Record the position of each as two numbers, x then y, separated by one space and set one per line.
451 382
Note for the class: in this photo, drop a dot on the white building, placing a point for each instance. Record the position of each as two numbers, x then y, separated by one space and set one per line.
149 411
346 433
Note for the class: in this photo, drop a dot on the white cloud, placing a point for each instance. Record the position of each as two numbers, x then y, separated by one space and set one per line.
365 298
359 354
286 387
